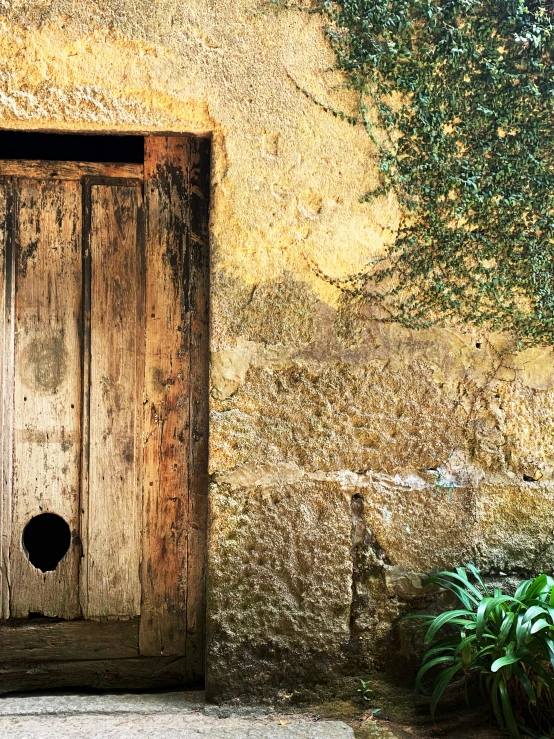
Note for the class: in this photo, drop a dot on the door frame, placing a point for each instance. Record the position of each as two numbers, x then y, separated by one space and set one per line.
42 653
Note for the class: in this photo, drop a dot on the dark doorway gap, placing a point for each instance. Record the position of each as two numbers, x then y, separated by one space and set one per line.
71 147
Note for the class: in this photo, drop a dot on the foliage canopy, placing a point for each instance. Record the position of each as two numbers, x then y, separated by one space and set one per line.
458 97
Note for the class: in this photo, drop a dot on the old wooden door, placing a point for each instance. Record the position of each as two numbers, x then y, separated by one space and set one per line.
103 315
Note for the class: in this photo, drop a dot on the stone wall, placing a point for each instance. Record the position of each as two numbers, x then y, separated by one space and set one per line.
345 468
347 457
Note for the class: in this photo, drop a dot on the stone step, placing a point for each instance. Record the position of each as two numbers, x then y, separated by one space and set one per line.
152 716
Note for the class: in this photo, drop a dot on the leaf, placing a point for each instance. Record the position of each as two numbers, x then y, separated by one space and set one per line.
465 654
447 645
548 609
507 711
485 608
533 611
441 683
463 644
426 667
540 625
447 577
544 676
526 683
523 629
476 574
536 586
505 629
443 619
508 659
411 616
467 599
494 692
548 645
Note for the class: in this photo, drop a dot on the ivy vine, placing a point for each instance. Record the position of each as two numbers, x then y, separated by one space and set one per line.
458 97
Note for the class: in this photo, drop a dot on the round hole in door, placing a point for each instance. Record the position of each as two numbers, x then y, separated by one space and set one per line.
46 540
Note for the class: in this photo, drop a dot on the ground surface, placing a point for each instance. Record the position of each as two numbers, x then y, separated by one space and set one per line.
184 715
402 714
168 715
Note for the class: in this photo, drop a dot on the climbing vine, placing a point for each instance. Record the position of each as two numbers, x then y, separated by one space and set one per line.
458 98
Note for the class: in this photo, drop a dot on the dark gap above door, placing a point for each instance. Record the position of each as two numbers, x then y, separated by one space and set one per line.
71 147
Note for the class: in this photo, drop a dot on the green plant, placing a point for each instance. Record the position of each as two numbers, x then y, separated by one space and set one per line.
458 99
507 640
367 695
365 690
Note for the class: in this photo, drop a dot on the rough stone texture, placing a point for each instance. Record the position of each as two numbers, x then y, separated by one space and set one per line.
277 312
336 416
159 716
348 457
270 585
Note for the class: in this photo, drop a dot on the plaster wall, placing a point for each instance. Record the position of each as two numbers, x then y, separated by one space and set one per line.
347 457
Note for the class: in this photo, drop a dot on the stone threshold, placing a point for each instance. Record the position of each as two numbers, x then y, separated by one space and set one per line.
167 715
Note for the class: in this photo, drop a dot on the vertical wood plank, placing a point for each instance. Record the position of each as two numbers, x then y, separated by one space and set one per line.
167 387
85 401
199 371
6 383
112 553
47 388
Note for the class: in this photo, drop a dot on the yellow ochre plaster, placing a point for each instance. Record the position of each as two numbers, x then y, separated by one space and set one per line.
287 176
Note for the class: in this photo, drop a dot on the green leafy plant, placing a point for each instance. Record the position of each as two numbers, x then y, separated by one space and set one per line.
367 694
458 99
365 690
508 641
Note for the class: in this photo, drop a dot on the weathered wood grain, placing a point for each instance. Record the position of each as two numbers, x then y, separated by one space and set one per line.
199 369
112 552
67 170
145 321
47 388
68 640
85 402
167 389
115 674
6 385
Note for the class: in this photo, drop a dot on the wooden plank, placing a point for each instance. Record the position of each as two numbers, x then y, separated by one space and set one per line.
115 674
199 370
6 384
85 401
112 552
69 640
47 389
166 409
43 170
